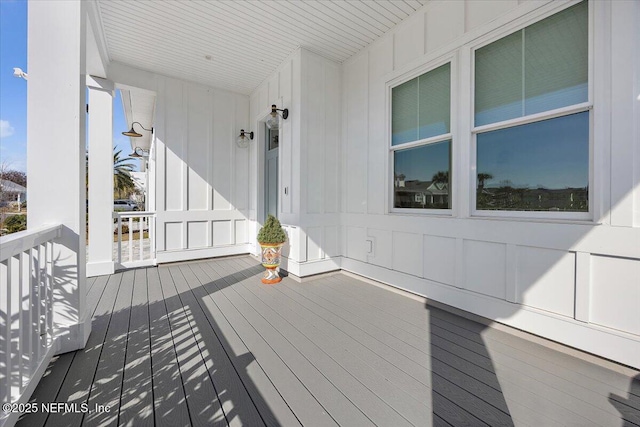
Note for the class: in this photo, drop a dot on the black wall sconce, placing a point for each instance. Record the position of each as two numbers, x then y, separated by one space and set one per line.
244 138
273 122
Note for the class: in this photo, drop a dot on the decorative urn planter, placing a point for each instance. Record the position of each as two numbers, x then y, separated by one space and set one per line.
271 255
271 238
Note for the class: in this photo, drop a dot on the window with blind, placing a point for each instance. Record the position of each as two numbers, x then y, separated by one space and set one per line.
421 141
532 117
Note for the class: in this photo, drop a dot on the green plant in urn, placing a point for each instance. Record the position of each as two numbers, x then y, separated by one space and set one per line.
271 238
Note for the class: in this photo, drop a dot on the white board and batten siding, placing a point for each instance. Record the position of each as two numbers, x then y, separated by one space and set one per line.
571 281
310 87
202 184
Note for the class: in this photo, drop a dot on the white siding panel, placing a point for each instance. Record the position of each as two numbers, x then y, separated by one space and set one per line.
241 232
382 242
408 42
174 142
332 114
356 247
198 147
444 22
197 234
241 156
286 137
331 244
173 236
407 253
314 243
439 259
380 64
545 279
485 265
223 137
273 90
314 135
221 233
615 293
356 143
480 12
263 96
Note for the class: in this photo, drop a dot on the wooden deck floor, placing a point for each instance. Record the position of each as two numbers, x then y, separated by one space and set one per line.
205 343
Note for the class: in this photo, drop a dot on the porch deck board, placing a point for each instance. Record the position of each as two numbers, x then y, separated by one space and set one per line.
205 343
445 346
543 364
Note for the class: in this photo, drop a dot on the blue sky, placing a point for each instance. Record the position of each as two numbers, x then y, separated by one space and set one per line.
13 91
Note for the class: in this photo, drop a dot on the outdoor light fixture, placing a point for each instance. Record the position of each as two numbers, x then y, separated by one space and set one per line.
273 122
132 133
244 138
139 152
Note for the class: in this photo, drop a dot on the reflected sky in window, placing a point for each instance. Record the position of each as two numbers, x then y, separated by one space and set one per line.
421 163
551 154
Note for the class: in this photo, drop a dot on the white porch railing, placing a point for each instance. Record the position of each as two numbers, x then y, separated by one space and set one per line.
130 251
26 314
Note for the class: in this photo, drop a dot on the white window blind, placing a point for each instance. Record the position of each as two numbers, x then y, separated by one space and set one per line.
539 68
421 107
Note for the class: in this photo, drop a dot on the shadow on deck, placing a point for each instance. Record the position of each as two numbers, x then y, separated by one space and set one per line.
205 343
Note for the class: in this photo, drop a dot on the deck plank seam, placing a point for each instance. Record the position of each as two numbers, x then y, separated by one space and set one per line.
485 357
294 287
190 321
175 350
437 332
310 362
230 358
209 295
103 347
285 319
275 352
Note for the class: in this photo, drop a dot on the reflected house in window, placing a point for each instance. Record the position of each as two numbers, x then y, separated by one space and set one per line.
421 194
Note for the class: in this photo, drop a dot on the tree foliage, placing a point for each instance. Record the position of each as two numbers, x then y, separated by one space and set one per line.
441 177
15 176
272 232
16 223
122 181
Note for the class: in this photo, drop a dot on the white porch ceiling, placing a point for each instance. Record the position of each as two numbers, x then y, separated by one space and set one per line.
246 40
139 106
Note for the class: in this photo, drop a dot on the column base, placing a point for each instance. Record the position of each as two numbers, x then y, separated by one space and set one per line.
73 336
100 268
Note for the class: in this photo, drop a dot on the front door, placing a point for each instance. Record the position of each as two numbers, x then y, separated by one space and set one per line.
271 172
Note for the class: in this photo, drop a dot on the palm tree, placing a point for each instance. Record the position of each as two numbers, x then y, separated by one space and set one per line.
482 177
440 177
122 181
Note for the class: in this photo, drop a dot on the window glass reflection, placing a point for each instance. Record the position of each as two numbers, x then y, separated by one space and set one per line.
421 177
542 166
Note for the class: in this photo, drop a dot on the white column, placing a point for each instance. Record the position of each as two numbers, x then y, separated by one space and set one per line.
56 154
100 193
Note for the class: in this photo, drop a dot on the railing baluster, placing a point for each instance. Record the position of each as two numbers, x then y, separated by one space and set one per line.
49 286
26 310
5 309
152 237
34 310
130 239
16 353
144 224
25 315
119 239
140 236
42 282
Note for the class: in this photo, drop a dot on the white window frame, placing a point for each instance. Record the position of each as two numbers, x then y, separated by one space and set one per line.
533 118
450 59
